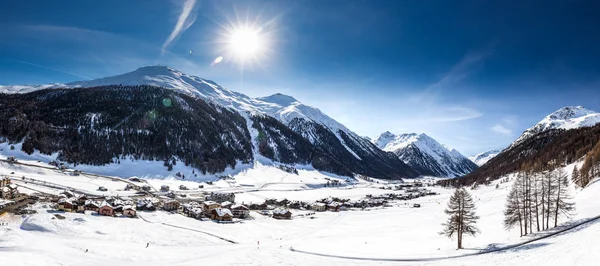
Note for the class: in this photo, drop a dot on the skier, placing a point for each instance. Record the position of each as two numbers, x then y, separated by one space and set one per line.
86 250
147 244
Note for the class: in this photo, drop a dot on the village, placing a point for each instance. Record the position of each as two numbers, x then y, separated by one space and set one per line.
197 203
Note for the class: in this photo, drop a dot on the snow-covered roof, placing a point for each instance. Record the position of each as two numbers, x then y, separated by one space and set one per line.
128 207
225 203
210 202
239 206
222 212
91 202
280 211
105 204
12 186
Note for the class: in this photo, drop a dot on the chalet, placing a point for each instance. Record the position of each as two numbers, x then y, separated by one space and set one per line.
4 182
221 197
226 204
319 207
129 210
208 206
220 214
105 209
171 205
240 211
193 210
65 204
90 205
281 213
82 199
118 208
334 207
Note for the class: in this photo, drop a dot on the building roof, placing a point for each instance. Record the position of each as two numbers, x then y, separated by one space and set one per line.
223 212
225 203
105 204
281 211
12 186
210 202
90 202
239 206
128 207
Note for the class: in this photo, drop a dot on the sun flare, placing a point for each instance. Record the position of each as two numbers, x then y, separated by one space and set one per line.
245 42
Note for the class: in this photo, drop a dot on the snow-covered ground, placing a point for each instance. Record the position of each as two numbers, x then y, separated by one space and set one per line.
382 233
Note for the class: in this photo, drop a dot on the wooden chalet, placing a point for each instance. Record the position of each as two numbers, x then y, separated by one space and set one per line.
282 214
240 211
220 214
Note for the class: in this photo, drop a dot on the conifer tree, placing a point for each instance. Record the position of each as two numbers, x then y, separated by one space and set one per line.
462 218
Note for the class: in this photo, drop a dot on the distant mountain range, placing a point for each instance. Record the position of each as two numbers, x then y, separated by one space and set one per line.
425 155
278 126
484 157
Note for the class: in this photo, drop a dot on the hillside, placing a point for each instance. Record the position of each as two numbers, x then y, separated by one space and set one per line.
425 154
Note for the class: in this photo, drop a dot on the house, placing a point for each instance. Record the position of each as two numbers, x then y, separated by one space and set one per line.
221 197
90 205
240 211
164 188
220 214
281 213
129 210
171 205
182 187
334 207
208 206
68 194
65 204
319 207
226 204
81 200
105 209
4 182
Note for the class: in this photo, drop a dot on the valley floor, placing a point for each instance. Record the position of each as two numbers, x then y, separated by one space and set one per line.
371 236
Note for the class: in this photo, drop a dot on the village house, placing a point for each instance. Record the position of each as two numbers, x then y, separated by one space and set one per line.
282 214
226 204
208 206
319 207
222 197
334 207
65 204
105 209
81 200
240 211
91 205
193 210
220 214
171 205
129 211
4 182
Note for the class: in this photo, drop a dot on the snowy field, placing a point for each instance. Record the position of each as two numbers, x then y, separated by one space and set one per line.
397 232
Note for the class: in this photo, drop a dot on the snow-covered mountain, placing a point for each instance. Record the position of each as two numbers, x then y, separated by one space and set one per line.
568 117
425 154
484 157
346 148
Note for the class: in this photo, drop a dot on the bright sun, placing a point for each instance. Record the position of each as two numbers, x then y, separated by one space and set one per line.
245 42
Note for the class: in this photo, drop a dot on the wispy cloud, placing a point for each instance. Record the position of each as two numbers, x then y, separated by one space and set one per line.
183 22
500 129
51 68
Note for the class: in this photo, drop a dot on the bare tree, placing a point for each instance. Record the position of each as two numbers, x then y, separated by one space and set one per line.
563 203
512 213
461 209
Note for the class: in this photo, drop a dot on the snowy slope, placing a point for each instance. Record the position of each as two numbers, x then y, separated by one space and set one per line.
568 117
425 154
484 157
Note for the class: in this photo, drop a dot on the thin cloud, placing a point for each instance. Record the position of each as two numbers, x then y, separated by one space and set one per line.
51 68
183 22
500 129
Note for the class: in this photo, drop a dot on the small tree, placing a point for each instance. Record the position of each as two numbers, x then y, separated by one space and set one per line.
461 209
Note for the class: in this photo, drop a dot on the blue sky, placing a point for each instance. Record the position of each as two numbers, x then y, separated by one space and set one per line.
472 74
